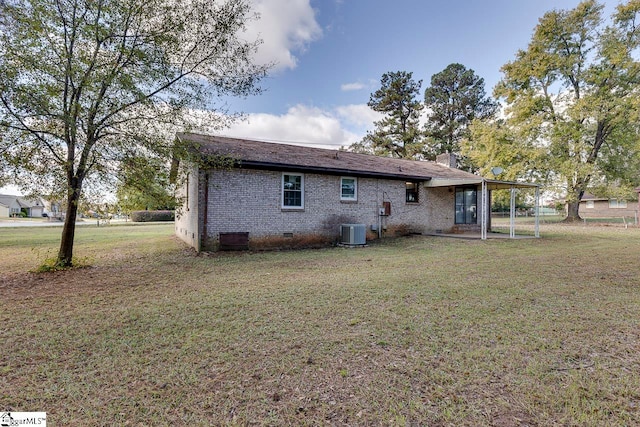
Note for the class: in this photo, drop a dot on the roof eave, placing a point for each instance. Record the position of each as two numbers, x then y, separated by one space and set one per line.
327 171
492 184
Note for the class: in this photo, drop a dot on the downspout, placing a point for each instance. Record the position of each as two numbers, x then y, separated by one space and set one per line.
205 212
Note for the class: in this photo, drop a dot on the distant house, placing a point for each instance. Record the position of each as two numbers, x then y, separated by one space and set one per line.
274 194
602 207
9 206
54 208
15 206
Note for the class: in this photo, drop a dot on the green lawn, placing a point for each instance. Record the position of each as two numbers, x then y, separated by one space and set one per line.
551 219
411 331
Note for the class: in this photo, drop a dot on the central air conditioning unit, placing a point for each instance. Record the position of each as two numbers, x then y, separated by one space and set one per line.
353 234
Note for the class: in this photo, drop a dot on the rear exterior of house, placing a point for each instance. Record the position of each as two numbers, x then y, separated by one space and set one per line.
279 195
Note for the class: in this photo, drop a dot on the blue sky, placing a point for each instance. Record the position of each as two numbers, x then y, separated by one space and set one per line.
332 53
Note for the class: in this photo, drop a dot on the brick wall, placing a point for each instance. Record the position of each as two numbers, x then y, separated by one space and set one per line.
441 209
601 209
250 201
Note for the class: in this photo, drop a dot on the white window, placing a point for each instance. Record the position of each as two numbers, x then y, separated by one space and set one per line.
590 204
348 188
617 204
292 191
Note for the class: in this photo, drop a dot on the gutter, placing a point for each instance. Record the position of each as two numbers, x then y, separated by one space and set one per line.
243 164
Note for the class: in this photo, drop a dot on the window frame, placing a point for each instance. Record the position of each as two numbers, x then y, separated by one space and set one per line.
617 204
283 190
464 189
416 191
355 189
590 204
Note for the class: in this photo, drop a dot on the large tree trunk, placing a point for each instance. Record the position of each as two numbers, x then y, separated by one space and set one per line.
65 255
573 214
574 196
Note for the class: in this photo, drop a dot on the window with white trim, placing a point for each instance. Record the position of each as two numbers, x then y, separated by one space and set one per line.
348 189
590 204
292 191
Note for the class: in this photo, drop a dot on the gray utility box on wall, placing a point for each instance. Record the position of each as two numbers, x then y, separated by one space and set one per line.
353 234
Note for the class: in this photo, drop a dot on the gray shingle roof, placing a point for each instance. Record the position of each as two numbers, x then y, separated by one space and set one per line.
266 155
6 200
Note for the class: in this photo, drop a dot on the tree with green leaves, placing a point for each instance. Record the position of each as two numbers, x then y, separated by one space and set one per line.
495 143
144 184
86 84
572 100
398 133
455 98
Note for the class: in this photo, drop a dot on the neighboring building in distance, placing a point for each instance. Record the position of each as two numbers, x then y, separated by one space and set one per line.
16 206
601 207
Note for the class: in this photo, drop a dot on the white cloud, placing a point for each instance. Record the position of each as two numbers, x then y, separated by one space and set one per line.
360 115
308 126
286 28
347 87
12 190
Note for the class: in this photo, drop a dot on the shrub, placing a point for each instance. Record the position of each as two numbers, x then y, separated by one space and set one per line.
50 265
152 216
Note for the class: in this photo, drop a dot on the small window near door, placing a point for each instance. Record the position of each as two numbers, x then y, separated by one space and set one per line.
466 205
412 192
348 189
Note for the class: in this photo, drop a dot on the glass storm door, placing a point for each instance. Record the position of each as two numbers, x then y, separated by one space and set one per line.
466 206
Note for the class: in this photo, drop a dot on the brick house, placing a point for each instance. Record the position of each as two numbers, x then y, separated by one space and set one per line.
602 207
276 195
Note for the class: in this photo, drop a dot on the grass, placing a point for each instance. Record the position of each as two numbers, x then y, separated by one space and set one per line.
413 331
551 219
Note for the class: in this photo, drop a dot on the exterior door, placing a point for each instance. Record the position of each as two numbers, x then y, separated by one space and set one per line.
466 205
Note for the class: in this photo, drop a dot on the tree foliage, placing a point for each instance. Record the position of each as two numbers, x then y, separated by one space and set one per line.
144 185
86 84
398 133
455 98
572 100
494 143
